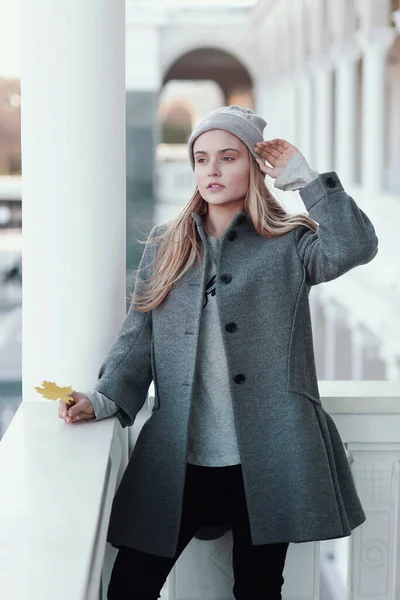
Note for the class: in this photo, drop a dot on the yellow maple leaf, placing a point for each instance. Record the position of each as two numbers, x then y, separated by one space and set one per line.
51 391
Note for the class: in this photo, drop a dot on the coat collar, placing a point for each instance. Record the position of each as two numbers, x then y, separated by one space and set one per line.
241 218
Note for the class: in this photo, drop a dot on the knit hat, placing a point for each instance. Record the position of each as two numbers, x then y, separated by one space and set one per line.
242 122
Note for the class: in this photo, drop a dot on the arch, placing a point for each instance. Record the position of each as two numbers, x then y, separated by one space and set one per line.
207 63
186 46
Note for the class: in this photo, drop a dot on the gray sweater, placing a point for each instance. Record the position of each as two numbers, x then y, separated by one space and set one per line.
211 417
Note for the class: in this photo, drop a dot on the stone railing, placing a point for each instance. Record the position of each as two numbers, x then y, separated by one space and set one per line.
58 482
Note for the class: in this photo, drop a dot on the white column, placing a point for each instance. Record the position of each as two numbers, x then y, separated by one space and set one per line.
290 109
346 113
304 98
330 340
392 369
296 114
356 351
391 355
261 103
73 158
375 45
270 103
283 115
323 85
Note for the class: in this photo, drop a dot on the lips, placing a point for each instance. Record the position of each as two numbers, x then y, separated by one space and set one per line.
215 186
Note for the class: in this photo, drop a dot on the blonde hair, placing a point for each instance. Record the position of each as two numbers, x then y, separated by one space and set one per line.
179 245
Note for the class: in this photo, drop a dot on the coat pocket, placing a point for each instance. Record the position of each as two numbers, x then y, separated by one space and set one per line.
156 404
302 375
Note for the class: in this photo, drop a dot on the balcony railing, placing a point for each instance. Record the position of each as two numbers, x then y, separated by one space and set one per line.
58 482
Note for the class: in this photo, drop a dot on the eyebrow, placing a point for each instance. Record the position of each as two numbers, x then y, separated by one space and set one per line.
223 150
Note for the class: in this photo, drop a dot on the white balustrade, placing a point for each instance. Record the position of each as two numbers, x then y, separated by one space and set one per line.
58 482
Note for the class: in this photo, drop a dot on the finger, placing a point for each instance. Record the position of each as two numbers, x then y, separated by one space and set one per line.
270 155
75 407
261 164
285 147
267 146
68 405
276 150
264 168
72 419
273 142
261 146
280 145
258 148
264 152
61 409
280 142
269 171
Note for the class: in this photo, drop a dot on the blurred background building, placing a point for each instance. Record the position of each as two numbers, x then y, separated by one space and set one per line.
325 74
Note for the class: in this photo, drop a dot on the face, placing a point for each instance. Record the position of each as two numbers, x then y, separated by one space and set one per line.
222 167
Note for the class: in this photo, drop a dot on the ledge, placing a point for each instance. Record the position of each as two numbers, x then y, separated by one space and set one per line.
58 481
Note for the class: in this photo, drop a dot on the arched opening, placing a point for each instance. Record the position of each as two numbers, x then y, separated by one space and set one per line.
217 65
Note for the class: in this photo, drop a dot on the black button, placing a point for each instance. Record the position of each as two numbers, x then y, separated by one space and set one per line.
330 182
226 278
231 327
239 378
232 235
241 220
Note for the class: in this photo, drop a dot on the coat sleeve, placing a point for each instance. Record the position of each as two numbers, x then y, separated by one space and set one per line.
125 374
345 237
103 407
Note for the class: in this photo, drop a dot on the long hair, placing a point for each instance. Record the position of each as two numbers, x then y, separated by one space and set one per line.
179 245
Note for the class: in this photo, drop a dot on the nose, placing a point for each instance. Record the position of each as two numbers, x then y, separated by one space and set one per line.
213 169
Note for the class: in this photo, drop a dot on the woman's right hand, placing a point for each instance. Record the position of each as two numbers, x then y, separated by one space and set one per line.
79 408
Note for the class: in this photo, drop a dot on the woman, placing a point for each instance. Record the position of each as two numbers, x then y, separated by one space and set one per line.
220 321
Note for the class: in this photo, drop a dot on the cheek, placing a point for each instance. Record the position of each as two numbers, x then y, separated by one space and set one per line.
241 180
199 179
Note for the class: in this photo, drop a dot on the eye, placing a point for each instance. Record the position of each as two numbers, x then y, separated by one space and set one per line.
201 160
228 157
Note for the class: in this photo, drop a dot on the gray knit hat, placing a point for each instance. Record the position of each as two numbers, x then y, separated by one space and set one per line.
242 122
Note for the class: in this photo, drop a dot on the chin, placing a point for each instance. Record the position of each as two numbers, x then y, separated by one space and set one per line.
219 201
215 198
216 202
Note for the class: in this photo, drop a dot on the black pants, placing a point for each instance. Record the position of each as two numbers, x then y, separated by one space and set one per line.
212 495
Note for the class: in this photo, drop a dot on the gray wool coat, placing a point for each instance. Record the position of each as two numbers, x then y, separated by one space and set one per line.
296 475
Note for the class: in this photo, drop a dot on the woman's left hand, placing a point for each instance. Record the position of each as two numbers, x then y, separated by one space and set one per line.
277 152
